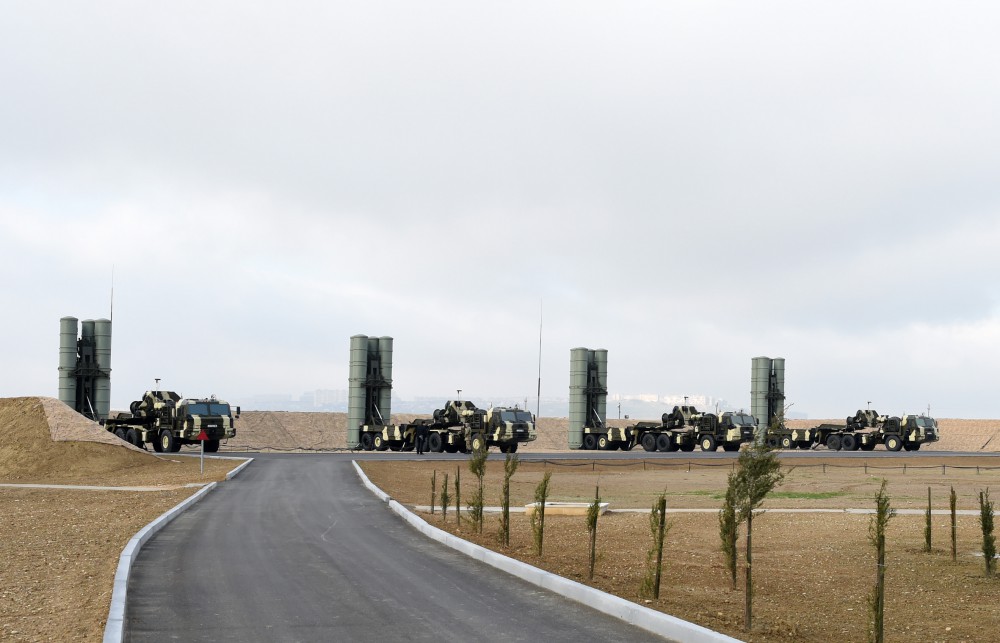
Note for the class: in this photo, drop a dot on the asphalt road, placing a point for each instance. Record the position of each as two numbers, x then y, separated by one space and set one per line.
295 549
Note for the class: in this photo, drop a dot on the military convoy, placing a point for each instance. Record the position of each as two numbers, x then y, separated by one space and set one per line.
865 430
458 427
168 421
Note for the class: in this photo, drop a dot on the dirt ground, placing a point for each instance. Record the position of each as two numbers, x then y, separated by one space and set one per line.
59 548
813 571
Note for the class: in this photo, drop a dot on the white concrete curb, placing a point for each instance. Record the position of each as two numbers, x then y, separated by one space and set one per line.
114 631
648 619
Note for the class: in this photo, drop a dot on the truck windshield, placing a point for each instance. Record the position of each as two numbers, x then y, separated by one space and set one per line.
740 419
515 416
208 408
926 423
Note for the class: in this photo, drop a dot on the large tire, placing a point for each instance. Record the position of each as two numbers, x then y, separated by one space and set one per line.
708 443
893 443
478 442
120 433
663 443
211 446
627 445
849 443
603 443
435 443
772 442
804 444
688 447
168 444
132 437
833 442
156 444
395 446
916 446
589 442
649 442
367 441
870 446
786 442
510 447
378 443
730 447
451 448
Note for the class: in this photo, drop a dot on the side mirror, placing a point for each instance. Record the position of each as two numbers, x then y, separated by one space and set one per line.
237 412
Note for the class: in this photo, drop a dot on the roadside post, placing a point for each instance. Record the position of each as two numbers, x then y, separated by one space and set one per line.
201 438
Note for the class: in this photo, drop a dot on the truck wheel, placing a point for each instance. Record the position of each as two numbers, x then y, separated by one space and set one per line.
590 442
833 443
893 443
786 442
211 446
156 445
478 442
663 442
602 443
395 446
168 442
378 443
687 447
730 447
772 442
435 443
804 444
916 446
367 441
708 443
848 443
869 446
132 437
451 448
120 434
649 442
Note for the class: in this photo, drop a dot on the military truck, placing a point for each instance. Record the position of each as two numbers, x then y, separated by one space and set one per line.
168 421
865 430
461 421
458 427
685 427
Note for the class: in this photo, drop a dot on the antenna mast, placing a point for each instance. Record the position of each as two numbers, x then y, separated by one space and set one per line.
538 400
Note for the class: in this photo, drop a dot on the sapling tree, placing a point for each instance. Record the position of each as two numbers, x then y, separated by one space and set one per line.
658 529
876 536
986 524
953 503
458 495
444 499
509 468
477 465
433 488
758 473
593 511
927 522
729 529
538 515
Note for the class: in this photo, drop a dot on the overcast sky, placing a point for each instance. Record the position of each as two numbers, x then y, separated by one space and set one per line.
686 184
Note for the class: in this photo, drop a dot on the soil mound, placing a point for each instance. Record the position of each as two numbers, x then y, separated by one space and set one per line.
45 440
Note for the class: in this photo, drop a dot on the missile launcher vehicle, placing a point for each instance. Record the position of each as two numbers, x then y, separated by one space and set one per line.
168 421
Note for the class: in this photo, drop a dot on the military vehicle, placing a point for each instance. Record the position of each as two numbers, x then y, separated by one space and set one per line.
458 427
500 426
167 421
685 427
865 430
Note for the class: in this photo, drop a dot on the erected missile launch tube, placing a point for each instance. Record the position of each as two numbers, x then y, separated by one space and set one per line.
102 379
578 360
356 390
68 327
